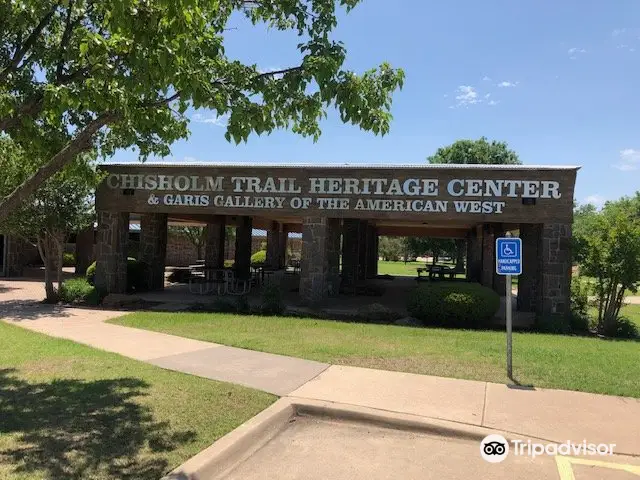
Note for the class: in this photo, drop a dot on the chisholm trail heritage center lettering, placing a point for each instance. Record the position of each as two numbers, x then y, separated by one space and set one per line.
325 193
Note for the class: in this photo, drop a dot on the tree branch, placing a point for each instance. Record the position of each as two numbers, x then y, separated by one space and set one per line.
279 72
24 48
82 142
66 36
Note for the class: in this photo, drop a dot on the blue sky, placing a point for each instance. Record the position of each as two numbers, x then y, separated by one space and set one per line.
558 81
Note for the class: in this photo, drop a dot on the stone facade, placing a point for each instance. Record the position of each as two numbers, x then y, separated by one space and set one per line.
274 246
350 251
372 252
243 248
111 252
529 282
215 243
474 254
153 248
319 269
556 268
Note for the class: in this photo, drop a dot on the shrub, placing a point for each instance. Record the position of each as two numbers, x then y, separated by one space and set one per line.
135 275
242 305
377 313
555 323
625 328
68 260
78 290
229 263
224 305
272 302
259 257
452 304
579 317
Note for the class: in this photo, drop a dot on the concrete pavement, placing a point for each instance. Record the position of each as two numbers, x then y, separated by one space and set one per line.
552 415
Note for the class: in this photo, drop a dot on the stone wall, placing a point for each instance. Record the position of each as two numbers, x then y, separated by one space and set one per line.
111 252
556 268
319 268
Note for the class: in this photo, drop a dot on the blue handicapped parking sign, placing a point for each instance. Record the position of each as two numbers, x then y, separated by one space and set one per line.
508 256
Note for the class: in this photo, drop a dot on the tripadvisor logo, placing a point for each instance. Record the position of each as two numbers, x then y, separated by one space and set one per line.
494 448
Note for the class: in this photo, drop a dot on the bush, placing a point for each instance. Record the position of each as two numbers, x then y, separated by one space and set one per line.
259 257
579 317
229 263
242 305
272 302
68 260
78 290
625 328
224 305
135 275
377 313
556 323
452 304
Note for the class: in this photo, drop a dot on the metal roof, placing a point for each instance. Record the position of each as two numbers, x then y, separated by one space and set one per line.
348 166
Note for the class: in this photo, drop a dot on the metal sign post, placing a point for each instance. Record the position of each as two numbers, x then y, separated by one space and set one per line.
508 263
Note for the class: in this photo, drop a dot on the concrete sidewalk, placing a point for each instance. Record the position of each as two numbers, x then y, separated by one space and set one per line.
552 415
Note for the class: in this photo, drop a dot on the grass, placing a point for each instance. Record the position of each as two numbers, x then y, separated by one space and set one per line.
632 312
405 270
552 361
68 411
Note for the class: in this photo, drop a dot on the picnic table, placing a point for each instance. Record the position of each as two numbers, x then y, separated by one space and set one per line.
436 271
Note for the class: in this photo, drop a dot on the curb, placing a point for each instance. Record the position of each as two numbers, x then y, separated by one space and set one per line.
216 461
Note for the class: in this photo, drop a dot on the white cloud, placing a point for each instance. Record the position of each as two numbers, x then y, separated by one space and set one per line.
575 51
595 199
487 95
486 79
507 84
629 160
217 120
493 102
618 31
467 95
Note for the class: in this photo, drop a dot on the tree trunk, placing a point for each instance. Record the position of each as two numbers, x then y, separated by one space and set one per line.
82 142
44 249
59 243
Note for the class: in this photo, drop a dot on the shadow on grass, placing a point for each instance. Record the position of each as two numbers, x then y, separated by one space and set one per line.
75 429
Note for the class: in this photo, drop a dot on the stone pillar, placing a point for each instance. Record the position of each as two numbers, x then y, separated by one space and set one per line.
488 255
243 248
319 266
372 252
84 250
529 281
555 269
273 246
474 254
284 239
499 281
461 250
111 252
363 246
14 258
215 242
350 249
153 248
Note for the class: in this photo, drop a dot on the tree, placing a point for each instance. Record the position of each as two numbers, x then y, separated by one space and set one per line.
62 206
196 235
436 247
476 152
392 248
122 73
611 254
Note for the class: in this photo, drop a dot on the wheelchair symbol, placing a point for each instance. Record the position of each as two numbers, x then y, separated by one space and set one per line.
509 249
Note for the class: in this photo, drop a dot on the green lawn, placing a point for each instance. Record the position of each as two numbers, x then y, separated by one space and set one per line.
68 411
553 361
405 270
